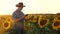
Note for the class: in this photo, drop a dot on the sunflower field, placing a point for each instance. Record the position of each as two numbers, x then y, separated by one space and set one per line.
33 24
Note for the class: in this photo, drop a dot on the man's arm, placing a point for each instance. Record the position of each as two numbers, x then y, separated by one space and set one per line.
18 19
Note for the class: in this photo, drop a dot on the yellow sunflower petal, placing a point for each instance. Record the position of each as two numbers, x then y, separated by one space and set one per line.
6 25
56 24
42 22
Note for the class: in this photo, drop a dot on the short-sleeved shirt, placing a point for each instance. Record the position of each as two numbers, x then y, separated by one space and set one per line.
18 14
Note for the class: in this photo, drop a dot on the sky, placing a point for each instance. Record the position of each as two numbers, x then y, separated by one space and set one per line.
7 7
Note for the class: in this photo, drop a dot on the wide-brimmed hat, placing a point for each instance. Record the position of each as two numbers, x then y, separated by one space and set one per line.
20 4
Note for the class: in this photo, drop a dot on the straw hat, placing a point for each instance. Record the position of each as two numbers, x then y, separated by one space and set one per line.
20 4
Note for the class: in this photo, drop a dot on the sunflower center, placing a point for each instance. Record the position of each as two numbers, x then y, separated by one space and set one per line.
43 22
56 23
8 19
6 24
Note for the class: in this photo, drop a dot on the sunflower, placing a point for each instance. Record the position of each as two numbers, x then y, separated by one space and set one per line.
29 16
42 22
56 24
6 25
9 18
3 18
34 18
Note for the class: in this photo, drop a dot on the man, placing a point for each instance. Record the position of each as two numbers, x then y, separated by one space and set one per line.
18 18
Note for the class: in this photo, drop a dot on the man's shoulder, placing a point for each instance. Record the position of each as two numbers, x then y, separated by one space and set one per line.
15 12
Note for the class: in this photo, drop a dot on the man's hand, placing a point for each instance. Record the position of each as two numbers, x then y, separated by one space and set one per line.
23 16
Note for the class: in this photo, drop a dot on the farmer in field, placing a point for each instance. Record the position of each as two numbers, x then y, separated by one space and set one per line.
18 17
